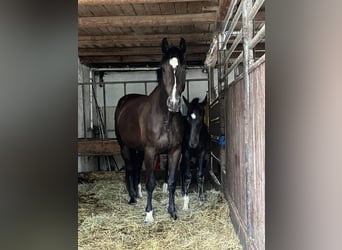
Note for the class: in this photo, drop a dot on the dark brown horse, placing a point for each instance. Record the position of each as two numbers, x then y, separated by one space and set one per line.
152 125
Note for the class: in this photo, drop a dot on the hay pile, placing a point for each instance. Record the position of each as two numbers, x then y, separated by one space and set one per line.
107 221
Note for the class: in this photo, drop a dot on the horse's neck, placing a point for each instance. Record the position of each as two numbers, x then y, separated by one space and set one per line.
159 96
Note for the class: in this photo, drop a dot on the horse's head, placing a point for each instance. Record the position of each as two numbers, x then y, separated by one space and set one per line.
195 119
172 73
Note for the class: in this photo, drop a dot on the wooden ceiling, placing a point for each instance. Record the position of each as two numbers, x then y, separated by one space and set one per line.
128 33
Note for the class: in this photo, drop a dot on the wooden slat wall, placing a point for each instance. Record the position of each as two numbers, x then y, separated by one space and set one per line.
257 157
248 220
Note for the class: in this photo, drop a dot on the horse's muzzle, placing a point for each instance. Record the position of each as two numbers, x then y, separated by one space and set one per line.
173 104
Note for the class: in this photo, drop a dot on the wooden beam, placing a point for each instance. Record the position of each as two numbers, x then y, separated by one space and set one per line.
154 20
148 58
98 147
135 59
149 38
135 51
108 2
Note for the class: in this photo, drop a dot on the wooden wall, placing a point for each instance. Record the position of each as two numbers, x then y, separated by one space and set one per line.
244 180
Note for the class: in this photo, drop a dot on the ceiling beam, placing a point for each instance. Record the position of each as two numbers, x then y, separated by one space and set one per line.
135 51
135 59
148 38
109 2
154 20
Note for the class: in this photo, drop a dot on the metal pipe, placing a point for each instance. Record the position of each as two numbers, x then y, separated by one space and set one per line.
136 69
104 111
228 15
84 118
91 98
233 46
215 157
232 25
246 28
256 6
257 38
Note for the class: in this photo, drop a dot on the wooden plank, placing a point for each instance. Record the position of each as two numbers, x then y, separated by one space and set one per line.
257 146
148 37
158 20
135 59
98 147
134 51
108 2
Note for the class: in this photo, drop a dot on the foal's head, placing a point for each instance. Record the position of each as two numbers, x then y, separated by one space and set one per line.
172 73
195 119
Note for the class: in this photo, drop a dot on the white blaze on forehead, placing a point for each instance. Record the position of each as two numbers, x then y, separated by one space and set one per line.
193 116
173 62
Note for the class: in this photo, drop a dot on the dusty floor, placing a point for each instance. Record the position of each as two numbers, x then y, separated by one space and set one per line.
107 221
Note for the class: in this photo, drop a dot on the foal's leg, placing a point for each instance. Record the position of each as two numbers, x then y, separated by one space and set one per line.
127 156
186 178
173 157
150 182
200 176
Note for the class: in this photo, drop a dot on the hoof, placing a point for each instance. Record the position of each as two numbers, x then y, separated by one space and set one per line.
132 201
149 217
174 216
172 213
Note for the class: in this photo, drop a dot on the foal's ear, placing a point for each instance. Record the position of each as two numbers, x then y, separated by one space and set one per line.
186 101
165 45
182 45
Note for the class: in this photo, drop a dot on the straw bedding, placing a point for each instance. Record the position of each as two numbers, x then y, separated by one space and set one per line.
107 221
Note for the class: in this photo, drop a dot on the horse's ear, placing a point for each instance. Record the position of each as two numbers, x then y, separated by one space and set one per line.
165 45
186 101
182 45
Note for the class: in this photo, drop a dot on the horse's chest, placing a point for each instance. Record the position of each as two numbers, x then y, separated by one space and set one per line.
168 137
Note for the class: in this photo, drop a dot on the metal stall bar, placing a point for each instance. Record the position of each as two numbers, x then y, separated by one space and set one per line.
247 35
228 15
254 10
104 110
233 46
232 26
258 37
84 117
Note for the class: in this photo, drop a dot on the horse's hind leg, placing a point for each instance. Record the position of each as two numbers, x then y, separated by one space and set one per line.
200 177
186 178
138 165
127 156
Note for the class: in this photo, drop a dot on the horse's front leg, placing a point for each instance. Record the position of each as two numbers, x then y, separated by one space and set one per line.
200 176
149 159
173 157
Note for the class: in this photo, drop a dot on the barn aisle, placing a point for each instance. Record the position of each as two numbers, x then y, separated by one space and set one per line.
106 221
